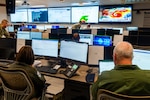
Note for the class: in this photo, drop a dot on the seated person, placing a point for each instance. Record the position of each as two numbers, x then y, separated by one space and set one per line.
24 60
77 25
76 37
125 78
88 26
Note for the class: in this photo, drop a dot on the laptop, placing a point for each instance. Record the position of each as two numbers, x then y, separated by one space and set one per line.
105 65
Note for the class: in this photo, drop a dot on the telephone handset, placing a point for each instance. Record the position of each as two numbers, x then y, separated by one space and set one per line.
71 70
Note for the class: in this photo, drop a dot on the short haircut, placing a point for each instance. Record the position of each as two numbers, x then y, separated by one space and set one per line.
25 55
4 20
123 50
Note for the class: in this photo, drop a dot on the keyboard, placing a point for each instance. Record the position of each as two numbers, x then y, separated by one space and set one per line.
47 69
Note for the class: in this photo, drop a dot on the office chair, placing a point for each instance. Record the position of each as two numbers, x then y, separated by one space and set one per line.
17 85
108 95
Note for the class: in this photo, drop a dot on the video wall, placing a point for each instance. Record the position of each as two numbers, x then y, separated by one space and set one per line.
88 14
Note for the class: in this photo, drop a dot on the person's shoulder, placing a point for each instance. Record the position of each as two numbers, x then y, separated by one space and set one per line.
107 72
0 26
144 71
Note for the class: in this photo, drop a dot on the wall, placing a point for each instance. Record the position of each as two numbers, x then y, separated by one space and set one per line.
3 14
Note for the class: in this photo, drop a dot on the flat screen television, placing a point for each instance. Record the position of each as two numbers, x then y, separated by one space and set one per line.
20 15
89 14
38 15
47 48
115 13
74 51
59 15
102 40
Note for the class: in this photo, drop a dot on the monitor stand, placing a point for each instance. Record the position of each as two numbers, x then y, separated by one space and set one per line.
63 63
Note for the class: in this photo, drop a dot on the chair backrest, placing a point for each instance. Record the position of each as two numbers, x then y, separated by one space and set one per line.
16 84
108 95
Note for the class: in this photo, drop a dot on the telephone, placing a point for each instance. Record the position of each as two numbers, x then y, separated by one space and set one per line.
71 70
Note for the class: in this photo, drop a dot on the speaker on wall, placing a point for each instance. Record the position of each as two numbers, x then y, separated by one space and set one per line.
10 6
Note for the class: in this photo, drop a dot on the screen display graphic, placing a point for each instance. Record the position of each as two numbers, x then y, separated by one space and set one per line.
115 14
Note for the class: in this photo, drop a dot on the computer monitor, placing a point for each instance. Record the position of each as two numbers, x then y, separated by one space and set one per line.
100 31
54 15
55 27
54 31
62 30
105 65
31 26
132 28
141 59
112 32
75 31
37 15
120 30
36 35
40 27
47 48
85 31
11 29
23 35
87 38
74 51
53 36
65 37
102 40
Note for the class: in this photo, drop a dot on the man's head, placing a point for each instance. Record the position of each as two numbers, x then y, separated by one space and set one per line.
123 53
4 23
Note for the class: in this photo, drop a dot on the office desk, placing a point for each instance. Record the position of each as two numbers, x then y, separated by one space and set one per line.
75 87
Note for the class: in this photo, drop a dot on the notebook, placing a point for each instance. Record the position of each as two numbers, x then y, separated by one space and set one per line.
105 65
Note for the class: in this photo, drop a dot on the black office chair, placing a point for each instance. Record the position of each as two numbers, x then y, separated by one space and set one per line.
17 85
108 95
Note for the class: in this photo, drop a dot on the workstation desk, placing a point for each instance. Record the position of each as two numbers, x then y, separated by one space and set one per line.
76 87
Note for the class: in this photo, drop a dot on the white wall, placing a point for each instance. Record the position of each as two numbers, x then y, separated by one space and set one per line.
3 14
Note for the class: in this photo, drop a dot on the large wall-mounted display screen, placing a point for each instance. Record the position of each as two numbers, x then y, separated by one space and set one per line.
20 15
115 13
38 15
88 14
59 15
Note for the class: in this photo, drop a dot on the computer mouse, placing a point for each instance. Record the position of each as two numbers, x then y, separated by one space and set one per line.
90 77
